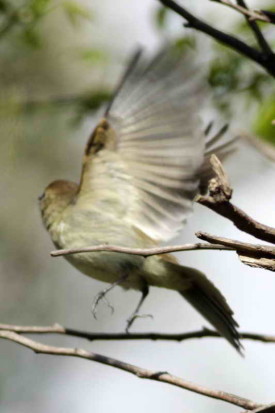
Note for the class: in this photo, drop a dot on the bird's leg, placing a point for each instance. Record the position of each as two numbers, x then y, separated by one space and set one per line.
144 291
102 295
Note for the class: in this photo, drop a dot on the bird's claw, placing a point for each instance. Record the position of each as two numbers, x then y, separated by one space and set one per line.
131 320
99 297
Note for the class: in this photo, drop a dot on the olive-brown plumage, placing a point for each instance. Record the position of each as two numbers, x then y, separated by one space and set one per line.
142 167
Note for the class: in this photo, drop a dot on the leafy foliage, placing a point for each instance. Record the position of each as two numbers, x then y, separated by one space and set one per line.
23 17
161 17
76 12
94 56
91 102
264 123
230 75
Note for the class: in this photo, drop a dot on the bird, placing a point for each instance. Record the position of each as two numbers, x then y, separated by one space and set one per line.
144 164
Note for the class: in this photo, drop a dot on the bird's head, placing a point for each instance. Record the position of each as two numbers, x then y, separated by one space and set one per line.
57 196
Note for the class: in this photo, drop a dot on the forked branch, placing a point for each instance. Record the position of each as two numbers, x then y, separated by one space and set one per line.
139 372
264 57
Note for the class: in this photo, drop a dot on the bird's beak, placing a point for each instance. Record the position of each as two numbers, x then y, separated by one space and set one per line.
41 196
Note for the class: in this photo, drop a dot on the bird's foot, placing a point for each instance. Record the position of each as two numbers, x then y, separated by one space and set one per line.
102 295
99 297
133 317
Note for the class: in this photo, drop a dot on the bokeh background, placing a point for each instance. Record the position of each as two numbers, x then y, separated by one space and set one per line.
58 61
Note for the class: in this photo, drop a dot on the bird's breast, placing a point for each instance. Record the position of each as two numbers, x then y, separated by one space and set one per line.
86 229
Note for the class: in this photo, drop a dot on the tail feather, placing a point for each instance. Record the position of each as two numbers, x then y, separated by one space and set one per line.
207 299
164 271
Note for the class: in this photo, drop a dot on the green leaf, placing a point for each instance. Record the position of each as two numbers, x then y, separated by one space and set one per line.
91 102
75 12
31 38
95 56
33 11
95 99
161 17
3 6
263 126
224 74
39 7
184 42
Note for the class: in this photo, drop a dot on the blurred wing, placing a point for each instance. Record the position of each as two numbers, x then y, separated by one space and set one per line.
149 150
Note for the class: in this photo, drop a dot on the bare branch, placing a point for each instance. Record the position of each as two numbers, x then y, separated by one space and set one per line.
270 15
202 333
256 30
257 256
54 329
251 17
265 263
218 201
253 250
145 252
265 409
240 219
130 368
260 57
251 14
219 186
247 252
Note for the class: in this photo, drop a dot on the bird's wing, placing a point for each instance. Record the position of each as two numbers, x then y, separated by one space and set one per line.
144 158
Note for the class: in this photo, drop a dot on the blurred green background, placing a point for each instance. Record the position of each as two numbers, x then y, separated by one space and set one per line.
59 61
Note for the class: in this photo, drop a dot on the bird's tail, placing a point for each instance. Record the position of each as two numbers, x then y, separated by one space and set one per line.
201 293
214 308
211 304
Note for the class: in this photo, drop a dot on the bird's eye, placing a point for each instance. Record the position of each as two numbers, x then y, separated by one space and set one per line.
41 196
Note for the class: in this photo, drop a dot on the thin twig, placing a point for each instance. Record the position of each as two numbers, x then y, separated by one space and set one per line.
255 255
267 62
262 262
145 252
270 15
154 336
251 14
256 30
264 409
130 368
255 250
218 201
239 218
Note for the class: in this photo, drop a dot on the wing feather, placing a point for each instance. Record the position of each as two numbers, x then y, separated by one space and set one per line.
148 152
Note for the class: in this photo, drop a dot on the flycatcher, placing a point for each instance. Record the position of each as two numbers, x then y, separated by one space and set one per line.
143 165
